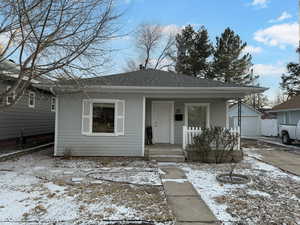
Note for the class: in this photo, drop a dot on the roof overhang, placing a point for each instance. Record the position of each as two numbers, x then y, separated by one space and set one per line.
217 92
284 110
137 89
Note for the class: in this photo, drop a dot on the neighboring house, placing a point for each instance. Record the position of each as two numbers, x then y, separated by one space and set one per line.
108 116
33 115
288 112
250 120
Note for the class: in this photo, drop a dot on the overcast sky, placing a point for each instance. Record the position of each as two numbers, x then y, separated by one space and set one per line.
270 27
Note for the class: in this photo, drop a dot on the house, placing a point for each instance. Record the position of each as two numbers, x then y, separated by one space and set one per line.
33 115
288 112
250 120
108 115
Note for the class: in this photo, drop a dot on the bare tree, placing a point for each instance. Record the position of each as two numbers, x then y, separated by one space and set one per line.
55 38
155 48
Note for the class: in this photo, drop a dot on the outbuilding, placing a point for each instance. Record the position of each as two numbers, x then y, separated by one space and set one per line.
250 120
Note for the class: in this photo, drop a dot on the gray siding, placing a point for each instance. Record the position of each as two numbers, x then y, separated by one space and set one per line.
69 128
292 118
33 121
217 113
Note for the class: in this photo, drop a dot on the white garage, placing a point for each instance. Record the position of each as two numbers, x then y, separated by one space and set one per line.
250 120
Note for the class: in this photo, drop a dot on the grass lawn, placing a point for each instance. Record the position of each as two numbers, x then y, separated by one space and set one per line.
38 188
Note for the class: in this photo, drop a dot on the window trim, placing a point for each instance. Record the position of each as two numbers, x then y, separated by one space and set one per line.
51 104
197 104
7 97
34 98
91 102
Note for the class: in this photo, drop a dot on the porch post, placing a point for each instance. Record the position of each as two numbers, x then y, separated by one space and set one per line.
184 128
240 119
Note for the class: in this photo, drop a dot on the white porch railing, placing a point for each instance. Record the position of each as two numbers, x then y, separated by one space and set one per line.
190 132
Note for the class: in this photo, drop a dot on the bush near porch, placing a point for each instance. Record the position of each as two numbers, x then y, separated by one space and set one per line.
215 145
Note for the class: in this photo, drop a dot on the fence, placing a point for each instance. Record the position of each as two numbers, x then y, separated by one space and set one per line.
269 127
190 132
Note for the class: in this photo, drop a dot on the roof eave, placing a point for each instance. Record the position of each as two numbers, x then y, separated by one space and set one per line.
96 88
283 110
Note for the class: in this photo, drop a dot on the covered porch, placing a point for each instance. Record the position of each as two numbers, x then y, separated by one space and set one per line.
166 117
171 123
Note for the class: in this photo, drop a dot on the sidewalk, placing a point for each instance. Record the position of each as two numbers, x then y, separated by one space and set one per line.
187 205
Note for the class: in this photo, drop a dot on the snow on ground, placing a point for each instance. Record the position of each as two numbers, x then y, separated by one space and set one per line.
40 188
271 196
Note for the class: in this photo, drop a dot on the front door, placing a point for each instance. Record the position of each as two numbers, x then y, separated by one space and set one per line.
161 121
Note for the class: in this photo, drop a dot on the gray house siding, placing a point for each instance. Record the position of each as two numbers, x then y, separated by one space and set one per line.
288 117
69 124
217 113
31 121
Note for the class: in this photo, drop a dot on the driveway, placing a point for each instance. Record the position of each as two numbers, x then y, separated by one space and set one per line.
283 157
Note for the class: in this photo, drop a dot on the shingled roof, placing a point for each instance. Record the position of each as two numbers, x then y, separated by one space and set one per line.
293 103
151 78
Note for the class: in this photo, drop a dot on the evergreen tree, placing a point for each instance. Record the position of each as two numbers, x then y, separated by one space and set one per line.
230 64
291 81
193 51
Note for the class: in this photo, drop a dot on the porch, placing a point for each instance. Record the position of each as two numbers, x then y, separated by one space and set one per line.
171 124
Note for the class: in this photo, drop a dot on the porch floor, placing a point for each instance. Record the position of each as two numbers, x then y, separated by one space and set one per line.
165 152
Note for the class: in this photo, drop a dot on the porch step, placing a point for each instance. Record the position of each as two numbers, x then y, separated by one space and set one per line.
167 158
166 152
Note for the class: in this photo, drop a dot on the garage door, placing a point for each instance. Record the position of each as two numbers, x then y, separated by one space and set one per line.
250 126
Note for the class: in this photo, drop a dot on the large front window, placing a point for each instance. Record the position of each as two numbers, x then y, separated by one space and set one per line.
103 118
197 115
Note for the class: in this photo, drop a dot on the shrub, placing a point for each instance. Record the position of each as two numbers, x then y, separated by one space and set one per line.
216 142
67 153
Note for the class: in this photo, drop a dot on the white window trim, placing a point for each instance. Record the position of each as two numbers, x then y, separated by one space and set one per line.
34 97
51 104
7 97
114 101
197 104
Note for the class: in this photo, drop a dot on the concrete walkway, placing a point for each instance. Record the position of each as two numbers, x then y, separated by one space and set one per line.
187 205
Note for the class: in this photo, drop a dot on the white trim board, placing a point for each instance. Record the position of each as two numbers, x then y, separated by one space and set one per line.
143 126
56 127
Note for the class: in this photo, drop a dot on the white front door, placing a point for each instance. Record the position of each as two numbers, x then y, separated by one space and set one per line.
162 121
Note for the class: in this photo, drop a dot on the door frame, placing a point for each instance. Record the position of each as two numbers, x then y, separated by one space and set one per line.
171 117
197 104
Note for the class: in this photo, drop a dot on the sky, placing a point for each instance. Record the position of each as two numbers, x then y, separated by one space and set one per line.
270 28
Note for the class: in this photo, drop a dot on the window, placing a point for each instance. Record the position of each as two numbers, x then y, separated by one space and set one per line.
10 97
53 101
197 114
103 117
31 99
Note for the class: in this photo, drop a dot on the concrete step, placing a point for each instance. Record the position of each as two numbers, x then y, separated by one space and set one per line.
167 158
166 152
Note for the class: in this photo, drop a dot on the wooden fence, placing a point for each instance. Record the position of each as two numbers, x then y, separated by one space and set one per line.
190 132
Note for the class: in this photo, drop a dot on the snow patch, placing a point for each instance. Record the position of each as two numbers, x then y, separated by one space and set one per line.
175 180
